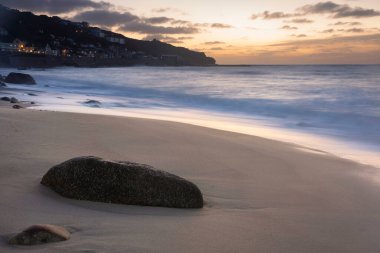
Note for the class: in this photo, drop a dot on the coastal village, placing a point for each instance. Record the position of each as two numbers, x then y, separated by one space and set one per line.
40 41
63 47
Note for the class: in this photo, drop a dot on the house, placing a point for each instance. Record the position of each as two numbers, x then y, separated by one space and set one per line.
97 33
50 51
119 40
8 47
112 39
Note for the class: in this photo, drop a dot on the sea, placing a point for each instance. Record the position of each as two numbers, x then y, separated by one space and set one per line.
324 109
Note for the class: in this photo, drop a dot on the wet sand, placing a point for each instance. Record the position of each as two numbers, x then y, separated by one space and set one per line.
260 195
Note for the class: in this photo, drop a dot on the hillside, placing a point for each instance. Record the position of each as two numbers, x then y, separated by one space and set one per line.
80 38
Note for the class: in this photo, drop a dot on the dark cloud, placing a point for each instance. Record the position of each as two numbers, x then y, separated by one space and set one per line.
220 25
354 30
179 22
158 20
216 48
144 28
105 17
334 9
161 10
338 10
346 23
213 42
54 6
286 27
301 21
373 38
350 30
272 15
299 35
328 31
185 38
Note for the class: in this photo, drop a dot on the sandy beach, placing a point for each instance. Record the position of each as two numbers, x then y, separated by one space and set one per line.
260 195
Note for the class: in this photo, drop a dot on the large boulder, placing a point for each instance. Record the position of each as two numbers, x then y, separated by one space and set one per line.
19 78
92 178
40 234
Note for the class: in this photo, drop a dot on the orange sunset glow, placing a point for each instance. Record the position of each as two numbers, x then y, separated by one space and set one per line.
240 32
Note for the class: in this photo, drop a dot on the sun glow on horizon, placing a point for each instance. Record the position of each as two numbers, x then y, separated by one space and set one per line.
245 32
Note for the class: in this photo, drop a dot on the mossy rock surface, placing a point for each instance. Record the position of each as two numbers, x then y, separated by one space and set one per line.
94 179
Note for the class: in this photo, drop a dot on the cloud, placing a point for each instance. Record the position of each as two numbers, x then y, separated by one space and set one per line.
161 10
105 17
158 20
185 38
213 42
334 9
216 48
300 21
272 15
54 6
286 27
346 23
372 38
328 31
144 28
220 25
180 22
338 10
299 35
353 30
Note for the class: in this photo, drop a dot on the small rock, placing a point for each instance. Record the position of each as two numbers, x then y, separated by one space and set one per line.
92 178
40 234
93 103
14 100
17 107
6 99
32 94
2 84
32 103
19 78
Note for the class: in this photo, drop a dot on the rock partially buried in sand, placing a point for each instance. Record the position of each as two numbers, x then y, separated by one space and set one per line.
40 234
95 179
19 78
17 107
14 100
8 99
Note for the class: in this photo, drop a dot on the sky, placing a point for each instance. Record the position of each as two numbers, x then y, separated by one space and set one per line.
240 31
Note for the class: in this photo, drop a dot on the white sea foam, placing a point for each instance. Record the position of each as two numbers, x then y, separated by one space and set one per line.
332 108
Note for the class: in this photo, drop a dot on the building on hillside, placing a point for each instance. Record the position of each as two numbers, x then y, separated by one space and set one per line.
50 51
8 47
97 33
118 40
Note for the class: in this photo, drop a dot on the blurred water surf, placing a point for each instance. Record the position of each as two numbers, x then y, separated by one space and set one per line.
335 108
